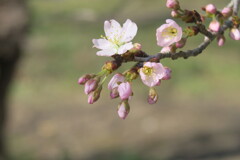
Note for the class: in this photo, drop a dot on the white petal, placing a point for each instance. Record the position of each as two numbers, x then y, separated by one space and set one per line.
107 52
112 29
129 31
101 43
124 48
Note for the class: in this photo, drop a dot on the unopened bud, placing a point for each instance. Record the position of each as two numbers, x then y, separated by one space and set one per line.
234 34
123 109
131 75
110 66
174 14
94 95
173 4
181 43
188 16
82 80
227 12
91 85
192 31
214 26
136 48
114 93
125 90
221 40
167 73
115 81
211 9
152 96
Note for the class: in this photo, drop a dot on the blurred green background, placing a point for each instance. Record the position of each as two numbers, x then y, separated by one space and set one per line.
197 115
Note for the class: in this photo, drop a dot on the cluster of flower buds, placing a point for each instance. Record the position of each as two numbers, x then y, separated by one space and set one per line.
170 36
217 19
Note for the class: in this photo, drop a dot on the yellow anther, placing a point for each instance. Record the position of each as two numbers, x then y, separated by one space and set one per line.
169 32
147 70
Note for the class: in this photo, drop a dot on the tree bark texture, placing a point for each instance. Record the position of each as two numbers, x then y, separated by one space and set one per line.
13 26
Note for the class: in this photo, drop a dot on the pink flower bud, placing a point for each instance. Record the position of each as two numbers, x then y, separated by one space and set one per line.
234 34
174 14
123 109
152 96
137 46
214 26
115 80
91 85
221 40
124 90
82 80
226 12
114 93
94 95
210 8
173 4
167 74
181 43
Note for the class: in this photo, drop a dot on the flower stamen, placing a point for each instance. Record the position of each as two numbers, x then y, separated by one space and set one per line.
147 70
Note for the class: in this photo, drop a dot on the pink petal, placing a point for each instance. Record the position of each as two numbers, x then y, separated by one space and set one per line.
114 81
165 41
159 70
124 90
150 81
166 50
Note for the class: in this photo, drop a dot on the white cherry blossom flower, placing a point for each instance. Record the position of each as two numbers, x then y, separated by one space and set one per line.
117 40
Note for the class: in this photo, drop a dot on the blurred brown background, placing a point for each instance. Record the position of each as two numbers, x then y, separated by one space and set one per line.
197 115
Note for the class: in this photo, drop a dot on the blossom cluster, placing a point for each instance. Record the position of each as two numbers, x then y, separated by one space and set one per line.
117 43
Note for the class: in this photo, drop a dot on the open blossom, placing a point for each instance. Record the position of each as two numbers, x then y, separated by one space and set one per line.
234 34
151 73
117 40
168 33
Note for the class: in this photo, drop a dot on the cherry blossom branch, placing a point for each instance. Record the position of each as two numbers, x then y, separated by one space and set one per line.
202 29
189 53
230 4
236 4
117 44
